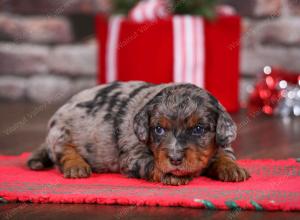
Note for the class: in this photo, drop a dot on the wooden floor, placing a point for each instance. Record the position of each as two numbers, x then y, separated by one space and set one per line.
23 128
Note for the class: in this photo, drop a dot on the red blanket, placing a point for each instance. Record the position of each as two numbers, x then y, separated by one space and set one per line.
274 185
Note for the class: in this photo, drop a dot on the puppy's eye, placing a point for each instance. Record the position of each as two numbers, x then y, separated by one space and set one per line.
198 130
159 130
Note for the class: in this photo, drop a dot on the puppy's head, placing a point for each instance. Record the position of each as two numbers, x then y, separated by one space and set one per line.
183 126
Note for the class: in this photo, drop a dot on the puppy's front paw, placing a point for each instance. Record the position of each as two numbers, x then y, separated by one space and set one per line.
233 173
79 170
170 179
228 171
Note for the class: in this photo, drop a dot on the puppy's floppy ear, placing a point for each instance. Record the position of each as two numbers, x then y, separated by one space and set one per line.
226 128
141 124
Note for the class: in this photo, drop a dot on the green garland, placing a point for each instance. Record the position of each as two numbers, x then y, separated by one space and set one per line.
205 8
123 6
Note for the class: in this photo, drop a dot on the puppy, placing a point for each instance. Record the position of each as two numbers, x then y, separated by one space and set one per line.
165 133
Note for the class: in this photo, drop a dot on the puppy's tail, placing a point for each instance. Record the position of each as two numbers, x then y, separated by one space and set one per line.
39 159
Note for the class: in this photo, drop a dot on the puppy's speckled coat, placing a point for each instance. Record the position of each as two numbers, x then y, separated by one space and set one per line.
167 133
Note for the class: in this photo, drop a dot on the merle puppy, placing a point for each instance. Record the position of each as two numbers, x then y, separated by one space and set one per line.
165 133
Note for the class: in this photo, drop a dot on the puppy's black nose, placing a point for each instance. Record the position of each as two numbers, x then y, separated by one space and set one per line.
176 161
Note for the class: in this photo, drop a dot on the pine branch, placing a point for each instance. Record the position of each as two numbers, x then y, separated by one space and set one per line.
205 8
123 6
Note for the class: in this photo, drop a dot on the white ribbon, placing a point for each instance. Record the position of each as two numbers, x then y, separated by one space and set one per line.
149 10
188 44
111 47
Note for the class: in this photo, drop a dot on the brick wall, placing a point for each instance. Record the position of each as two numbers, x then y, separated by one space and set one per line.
42 56
271 36
43 51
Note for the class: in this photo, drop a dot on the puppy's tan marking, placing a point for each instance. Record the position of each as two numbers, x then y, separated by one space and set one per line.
163 122
156 175
197 159
161 159
192 121
73 165
225 169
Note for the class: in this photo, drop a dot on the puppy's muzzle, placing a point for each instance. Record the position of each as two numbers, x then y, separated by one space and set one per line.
176 158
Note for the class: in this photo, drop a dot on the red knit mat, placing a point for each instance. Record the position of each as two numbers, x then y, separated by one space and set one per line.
274 185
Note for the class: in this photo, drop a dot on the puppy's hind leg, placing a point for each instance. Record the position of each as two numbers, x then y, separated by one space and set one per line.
39 159
72 164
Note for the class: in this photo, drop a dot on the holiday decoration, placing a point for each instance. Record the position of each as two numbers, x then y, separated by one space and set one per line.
171 48
276 92
289 105
123 6
205 8
150 10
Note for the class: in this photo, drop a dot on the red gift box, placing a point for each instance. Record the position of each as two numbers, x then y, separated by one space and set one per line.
147 51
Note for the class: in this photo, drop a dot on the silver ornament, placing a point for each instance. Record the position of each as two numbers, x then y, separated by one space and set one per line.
289 104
